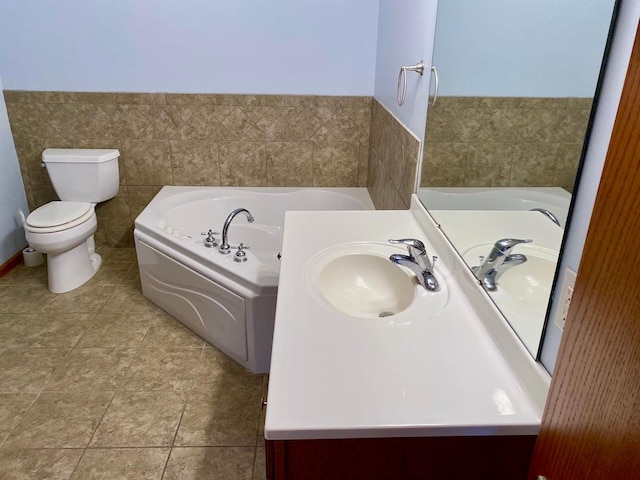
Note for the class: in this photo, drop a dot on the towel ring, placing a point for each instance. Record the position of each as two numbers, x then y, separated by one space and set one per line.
401 90
434 72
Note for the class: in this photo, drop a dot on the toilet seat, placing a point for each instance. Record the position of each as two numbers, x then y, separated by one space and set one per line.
58 216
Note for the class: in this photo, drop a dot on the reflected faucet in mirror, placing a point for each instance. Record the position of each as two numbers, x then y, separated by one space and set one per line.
499 260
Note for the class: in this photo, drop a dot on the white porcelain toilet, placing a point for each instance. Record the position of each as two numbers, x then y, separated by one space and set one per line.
64 229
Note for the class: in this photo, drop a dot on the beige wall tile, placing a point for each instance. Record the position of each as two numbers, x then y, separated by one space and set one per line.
335 164
141 98
89 97
195 162
148 163
242 164
289 164
164 139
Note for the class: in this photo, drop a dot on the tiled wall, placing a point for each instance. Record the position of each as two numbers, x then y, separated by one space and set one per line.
192 139
482 141
393 161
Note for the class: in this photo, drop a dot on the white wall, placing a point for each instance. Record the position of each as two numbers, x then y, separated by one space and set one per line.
324 47
535 48
405 36
12 196
623 38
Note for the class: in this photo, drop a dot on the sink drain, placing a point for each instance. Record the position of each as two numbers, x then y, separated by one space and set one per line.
385 314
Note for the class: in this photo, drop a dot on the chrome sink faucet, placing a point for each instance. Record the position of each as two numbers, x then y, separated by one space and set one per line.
499 260
418 262
224 245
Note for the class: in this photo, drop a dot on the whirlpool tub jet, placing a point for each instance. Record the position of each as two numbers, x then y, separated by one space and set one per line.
209 256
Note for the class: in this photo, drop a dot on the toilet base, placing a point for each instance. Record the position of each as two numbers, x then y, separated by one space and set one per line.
73 268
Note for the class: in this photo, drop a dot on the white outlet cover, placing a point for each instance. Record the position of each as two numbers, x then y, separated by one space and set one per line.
568 284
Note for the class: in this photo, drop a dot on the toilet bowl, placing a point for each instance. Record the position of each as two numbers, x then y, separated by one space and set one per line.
64 232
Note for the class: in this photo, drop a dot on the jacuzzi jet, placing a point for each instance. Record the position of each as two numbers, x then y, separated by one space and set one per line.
385 314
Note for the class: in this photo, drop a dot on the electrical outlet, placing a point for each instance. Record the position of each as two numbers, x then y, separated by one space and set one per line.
562 311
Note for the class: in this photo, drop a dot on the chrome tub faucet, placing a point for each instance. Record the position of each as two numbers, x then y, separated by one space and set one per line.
224 247
499 260
417 261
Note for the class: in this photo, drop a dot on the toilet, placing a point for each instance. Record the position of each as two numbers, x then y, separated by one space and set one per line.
64 229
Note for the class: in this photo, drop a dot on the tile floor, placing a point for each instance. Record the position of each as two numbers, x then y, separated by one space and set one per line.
99 383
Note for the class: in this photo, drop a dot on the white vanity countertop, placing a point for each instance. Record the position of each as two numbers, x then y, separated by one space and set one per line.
337 377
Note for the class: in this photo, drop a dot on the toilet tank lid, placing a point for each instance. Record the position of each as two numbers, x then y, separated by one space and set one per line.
79 155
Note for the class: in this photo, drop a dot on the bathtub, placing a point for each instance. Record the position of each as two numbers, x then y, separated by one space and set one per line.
554 199
229 304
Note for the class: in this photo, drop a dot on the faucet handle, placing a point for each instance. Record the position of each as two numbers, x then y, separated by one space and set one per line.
411 243
506 244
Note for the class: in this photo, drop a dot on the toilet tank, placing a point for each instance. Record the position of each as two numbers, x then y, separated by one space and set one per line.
83 175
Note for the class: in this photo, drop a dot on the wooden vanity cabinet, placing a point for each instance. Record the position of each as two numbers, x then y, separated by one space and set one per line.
428 458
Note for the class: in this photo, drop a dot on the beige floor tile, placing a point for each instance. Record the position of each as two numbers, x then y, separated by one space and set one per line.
122 464
215 367
12 407
117 255
129 298
27 370
24 298
50 464
260 465
162 369
132 277
53 330
226 463
86 299
91 370
12 325
117 330
60 420
225 415
110 274
21 275
166 331
140 419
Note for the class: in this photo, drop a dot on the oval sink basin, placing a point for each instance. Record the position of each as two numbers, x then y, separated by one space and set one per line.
366 286
357 280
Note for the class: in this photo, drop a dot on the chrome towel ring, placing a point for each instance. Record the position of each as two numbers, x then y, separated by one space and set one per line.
401 91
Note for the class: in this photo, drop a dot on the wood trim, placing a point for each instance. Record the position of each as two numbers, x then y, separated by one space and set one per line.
10 264
425 458
591 425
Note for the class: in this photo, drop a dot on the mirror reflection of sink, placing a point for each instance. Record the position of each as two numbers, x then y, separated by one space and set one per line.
366 286
358 280
530 282
523 290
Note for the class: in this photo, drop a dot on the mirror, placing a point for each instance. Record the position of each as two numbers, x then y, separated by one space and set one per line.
504 139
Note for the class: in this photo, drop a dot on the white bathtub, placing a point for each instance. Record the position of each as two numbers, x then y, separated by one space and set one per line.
554 199
229 304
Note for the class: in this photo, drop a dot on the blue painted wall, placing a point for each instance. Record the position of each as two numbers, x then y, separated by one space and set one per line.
323 47
537 48
405 36
12 196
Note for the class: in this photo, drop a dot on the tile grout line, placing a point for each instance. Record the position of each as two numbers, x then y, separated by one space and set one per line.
184 407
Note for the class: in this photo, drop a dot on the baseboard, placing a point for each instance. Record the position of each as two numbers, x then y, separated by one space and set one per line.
7 266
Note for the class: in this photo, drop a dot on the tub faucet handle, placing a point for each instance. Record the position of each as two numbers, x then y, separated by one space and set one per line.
210 241
241 255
